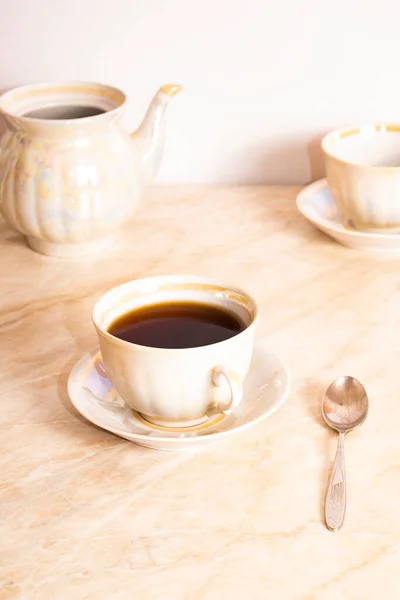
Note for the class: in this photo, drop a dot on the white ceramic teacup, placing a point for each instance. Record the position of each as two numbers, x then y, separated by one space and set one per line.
177 387
363 172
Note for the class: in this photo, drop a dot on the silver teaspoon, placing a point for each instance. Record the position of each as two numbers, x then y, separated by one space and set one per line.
344 407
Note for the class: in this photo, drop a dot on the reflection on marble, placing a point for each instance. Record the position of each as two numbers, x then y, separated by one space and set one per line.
85 514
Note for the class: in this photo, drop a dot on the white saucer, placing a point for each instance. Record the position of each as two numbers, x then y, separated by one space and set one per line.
316 204
265 390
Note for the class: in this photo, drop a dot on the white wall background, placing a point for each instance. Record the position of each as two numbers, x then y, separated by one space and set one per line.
264 78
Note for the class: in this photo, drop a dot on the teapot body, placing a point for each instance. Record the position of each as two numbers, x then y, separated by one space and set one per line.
70 176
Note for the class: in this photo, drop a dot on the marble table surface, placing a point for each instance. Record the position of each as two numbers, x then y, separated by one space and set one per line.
87 515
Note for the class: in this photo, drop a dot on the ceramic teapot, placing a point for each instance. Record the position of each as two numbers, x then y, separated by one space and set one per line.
70 176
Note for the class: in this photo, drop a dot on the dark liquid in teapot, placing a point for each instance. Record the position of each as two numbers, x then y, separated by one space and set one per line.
68 111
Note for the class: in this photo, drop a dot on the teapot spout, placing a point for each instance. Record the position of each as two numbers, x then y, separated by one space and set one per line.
149 136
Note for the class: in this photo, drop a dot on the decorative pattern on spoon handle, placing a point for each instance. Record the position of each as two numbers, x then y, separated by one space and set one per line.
335 504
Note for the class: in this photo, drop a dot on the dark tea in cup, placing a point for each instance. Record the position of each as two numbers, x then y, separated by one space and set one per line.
176 325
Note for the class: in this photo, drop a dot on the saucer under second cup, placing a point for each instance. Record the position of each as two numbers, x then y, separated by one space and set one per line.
316 204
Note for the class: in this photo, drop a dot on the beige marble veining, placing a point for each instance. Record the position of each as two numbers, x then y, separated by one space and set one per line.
87 515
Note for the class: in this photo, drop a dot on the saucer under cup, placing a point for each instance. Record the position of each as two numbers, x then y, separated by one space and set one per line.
316 204
265 390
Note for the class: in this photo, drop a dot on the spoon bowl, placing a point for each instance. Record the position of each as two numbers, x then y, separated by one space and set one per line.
345 404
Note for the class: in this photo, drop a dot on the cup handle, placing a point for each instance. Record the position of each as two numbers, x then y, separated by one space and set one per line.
223 375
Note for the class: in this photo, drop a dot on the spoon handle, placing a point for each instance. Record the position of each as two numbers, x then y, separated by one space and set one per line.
335 504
